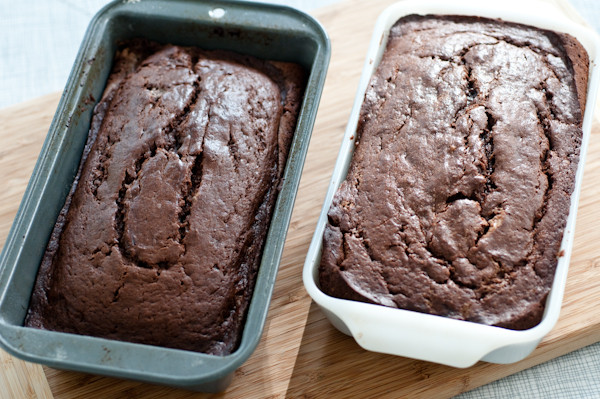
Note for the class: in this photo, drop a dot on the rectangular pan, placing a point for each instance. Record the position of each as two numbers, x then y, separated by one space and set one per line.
265 31
422 336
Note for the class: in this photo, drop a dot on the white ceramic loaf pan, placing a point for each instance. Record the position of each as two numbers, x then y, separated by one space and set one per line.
435 338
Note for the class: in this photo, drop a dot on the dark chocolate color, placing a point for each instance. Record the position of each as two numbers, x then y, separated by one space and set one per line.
160 239
459 188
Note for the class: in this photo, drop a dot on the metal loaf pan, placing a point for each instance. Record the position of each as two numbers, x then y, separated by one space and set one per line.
434 338
265 31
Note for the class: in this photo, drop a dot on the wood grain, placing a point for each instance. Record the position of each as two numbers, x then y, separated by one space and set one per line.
22 130
301 354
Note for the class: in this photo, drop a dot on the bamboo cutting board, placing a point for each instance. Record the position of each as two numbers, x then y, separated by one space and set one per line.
301 354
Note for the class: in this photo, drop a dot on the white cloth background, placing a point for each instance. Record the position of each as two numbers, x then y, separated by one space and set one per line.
38 43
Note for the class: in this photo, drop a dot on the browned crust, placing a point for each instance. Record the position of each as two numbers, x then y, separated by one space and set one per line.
338 256
580 63
47 309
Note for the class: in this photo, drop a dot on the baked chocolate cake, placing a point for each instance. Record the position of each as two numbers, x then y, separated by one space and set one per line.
459 188
160 239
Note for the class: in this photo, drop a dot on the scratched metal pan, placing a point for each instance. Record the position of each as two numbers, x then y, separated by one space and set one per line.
265 31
